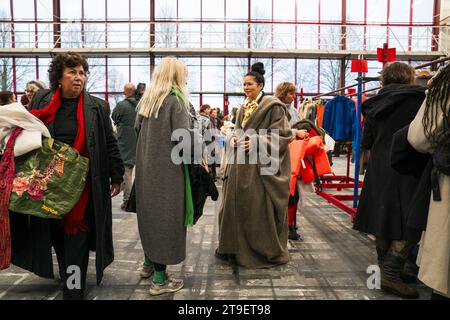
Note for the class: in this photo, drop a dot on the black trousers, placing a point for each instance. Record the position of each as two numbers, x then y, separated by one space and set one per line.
72 252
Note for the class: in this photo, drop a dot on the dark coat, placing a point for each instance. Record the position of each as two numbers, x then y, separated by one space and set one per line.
31 237
407 160
386 194
124 117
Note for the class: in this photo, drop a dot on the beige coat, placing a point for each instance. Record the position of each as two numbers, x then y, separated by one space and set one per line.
434 252
253 222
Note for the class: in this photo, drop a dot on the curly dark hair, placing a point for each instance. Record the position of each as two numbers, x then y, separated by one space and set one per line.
438 97
65 60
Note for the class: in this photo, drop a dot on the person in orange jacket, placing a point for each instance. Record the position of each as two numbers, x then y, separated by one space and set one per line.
285 92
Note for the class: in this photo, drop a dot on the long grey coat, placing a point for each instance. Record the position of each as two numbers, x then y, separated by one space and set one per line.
160 190
253 221
434 250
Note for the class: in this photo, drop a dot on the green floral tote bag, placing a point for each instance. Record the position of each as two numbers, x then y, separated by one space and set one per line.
48 181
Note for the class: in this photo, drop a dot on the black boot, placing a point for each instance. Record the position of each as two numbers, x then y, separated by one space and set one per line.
293 235
381 254
409 272
382 247
390 278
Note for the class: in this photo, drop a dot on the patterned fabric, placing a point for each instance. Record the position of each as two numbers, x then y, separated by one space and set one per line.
249 107
6 184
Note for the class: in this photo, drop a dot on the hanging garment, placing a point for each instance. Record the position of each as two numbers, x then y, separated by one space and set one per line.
339 118
320 111
306 109
15 115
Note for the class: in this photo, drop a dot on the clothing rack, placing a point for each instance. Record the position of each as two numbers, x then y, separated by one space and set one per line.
427 64
344 182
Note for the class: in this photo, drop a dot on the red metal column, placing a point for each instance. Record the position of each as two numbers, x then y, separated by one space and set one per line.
296 33
319 29
13 45
273 40
178 20
295 82
83 40
201 80
56 24
129 68
152 35
387 20
225 99
106 27
343 42
225 24
201 23
249 27
318 75
365 25
35 25
36 39
436 22
410 25
344 26
106 79
129 25
106 57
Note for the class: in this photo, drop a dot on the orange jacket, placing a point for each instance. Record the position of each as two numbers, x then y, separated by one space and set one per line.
301 165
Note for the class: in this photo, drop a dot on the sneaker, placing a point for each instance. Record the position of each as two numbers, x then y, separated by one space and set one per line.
147 271
169 286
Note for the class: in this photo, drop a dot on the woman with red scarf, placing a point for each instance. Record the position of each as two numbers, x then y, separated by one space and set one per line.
74 117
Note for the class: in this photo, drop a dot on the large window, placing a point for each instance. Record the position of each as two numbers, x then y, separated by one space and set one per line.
212 24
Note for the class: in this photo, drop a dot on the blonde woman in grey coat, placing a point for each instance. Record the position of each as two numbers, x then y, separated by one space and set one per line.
160 184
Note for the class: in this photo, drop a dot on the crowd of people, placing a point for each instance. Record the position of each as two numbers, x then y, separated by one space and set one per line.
257 215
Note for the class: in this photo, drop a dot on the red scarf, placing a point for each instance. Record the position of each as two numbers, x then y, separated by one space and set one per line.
72 222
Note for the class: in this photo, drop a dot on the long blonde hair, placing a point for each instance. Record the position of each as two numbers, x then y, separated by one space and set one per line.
171 73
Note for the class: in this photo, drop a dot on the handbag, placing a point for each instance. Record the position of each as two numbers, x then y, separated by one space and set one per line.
49 181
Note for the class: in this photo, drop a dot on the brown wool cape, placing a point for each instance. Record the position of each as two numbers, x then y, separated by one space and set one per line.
253 221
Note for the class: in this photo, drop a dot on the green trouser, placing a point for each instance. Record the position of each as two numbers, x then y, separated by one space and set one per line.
160 270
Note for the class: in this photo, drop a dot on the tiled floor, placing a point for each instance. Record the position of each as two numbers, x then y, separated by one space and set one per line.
330 263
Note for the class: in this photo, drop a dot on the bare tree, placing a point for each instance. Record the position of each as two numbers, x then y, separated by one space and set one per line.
330 74
6 65
166 34
259 40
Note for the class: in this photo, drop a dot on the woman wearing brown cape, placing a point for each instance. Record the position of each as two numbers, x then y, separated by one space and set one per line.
253 224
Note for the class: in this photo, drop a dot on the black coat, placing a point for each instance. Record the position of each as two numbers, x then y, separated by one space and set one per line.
407 160
31 237
386 194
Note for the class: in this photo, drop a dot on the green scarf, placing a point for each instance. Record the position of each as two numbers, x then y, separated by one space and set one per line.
189 202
